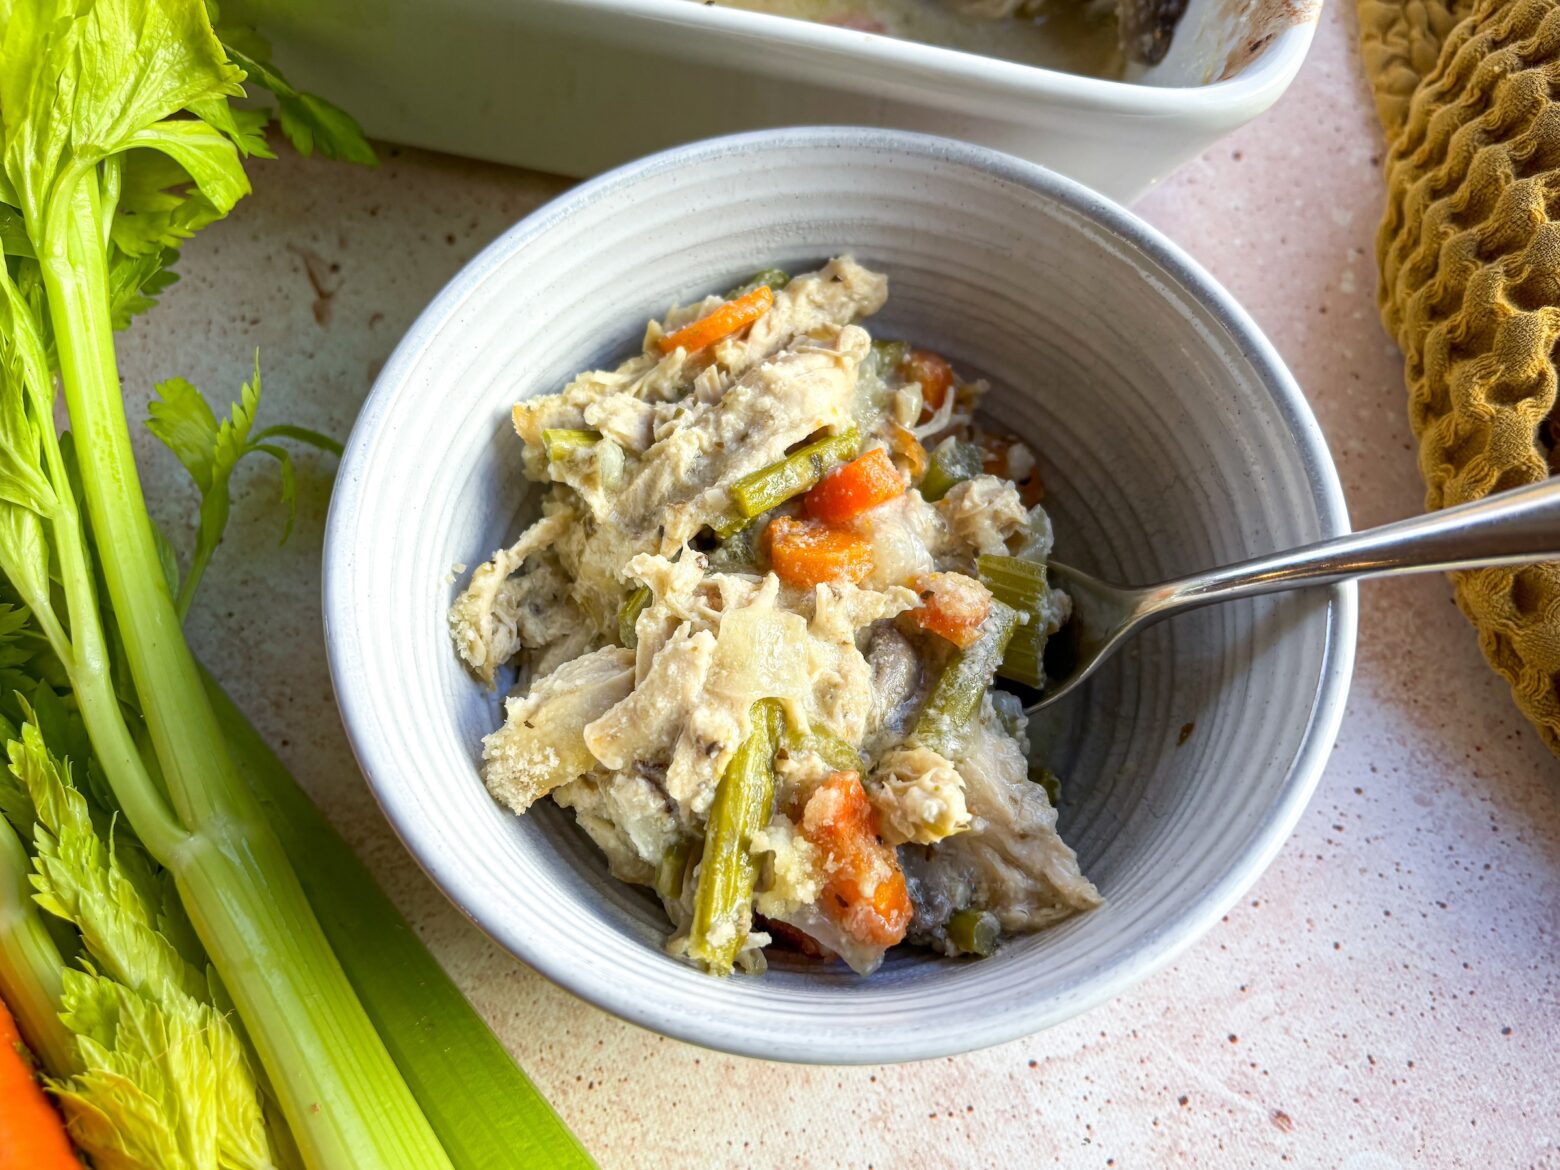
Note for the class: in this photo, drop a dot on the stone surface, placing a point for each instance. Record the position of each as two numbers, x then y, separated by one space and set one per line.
1387 996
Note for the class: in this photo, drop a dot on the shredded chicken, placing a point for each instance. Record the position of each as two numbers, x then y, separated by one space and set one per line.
628 818
919 797
542 743
487 617
683 481
983 514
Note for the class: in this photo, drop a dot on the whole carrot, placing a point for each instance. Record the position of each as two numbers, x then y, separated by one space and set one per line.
32 1136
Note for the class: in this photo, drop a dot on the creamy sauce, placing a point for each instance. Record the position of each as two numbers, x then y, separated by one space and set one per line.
1067 35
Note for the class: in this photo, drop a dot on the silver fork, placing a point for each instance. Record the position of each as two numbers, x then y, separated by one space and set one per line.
1509 528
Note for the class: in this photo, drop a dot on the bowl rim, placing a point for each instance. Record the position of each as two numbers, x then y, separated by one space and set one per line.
356 696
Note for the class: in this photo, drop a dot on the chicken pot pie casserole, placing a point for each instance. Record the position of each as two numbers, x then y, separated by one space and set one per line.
757 627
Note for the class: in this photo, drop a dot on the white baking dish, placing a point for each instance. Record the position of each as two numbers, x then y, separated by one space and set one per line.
576 86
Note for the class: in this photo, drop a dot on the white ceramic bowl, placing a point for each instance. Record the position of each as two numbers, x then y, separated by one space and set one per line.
575 86
1170 437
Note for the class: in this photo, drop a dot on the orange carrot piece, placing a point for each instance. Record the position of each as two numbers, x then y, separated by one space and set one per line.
805 553
723 322
953 606
32 1136
935 376
855 487
865 890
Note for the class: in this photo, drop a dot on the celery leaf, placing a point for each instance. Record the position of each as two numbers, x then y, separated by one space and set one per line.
128 1109
166 1080
244 128
206 155
27 493
80 80
185 423
135 281
79 879
210 451
309 121
167 1084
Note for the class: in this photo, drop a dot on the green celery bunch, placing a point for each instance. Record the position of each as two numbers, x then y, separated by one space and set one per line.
117 142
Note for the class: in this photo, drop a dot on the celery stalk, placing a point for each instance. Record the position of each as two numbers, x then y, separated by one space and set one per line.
483 1107
344 1099
30 963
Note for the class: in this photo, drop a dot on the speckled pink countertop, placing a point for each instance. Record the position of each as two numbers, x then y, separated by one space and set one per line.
1388 995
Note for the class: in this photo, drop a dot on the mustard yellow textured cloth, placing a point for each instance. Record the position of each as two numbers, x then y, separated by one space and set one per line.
1470 283
1400 42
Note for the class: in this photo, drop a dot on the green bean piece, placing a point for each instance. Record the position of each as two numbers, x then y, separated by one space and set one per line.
628 616
833 750
1049 780
775 278
672 872
771 486
955 700
975 932
727 872
561 442
1021 584
951 462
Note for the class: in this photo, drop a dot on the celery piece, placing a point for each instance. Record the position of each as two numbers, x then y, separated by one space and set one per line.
975 932
628 616
772 486
101 220
1014 581
341 1093
951 462
1024 661
484 1109
727 871
561 442
955 700
1021 584
775 278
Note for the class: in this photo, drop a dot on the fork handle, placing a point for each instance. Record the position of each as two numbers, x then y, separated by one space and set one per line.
1513 527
